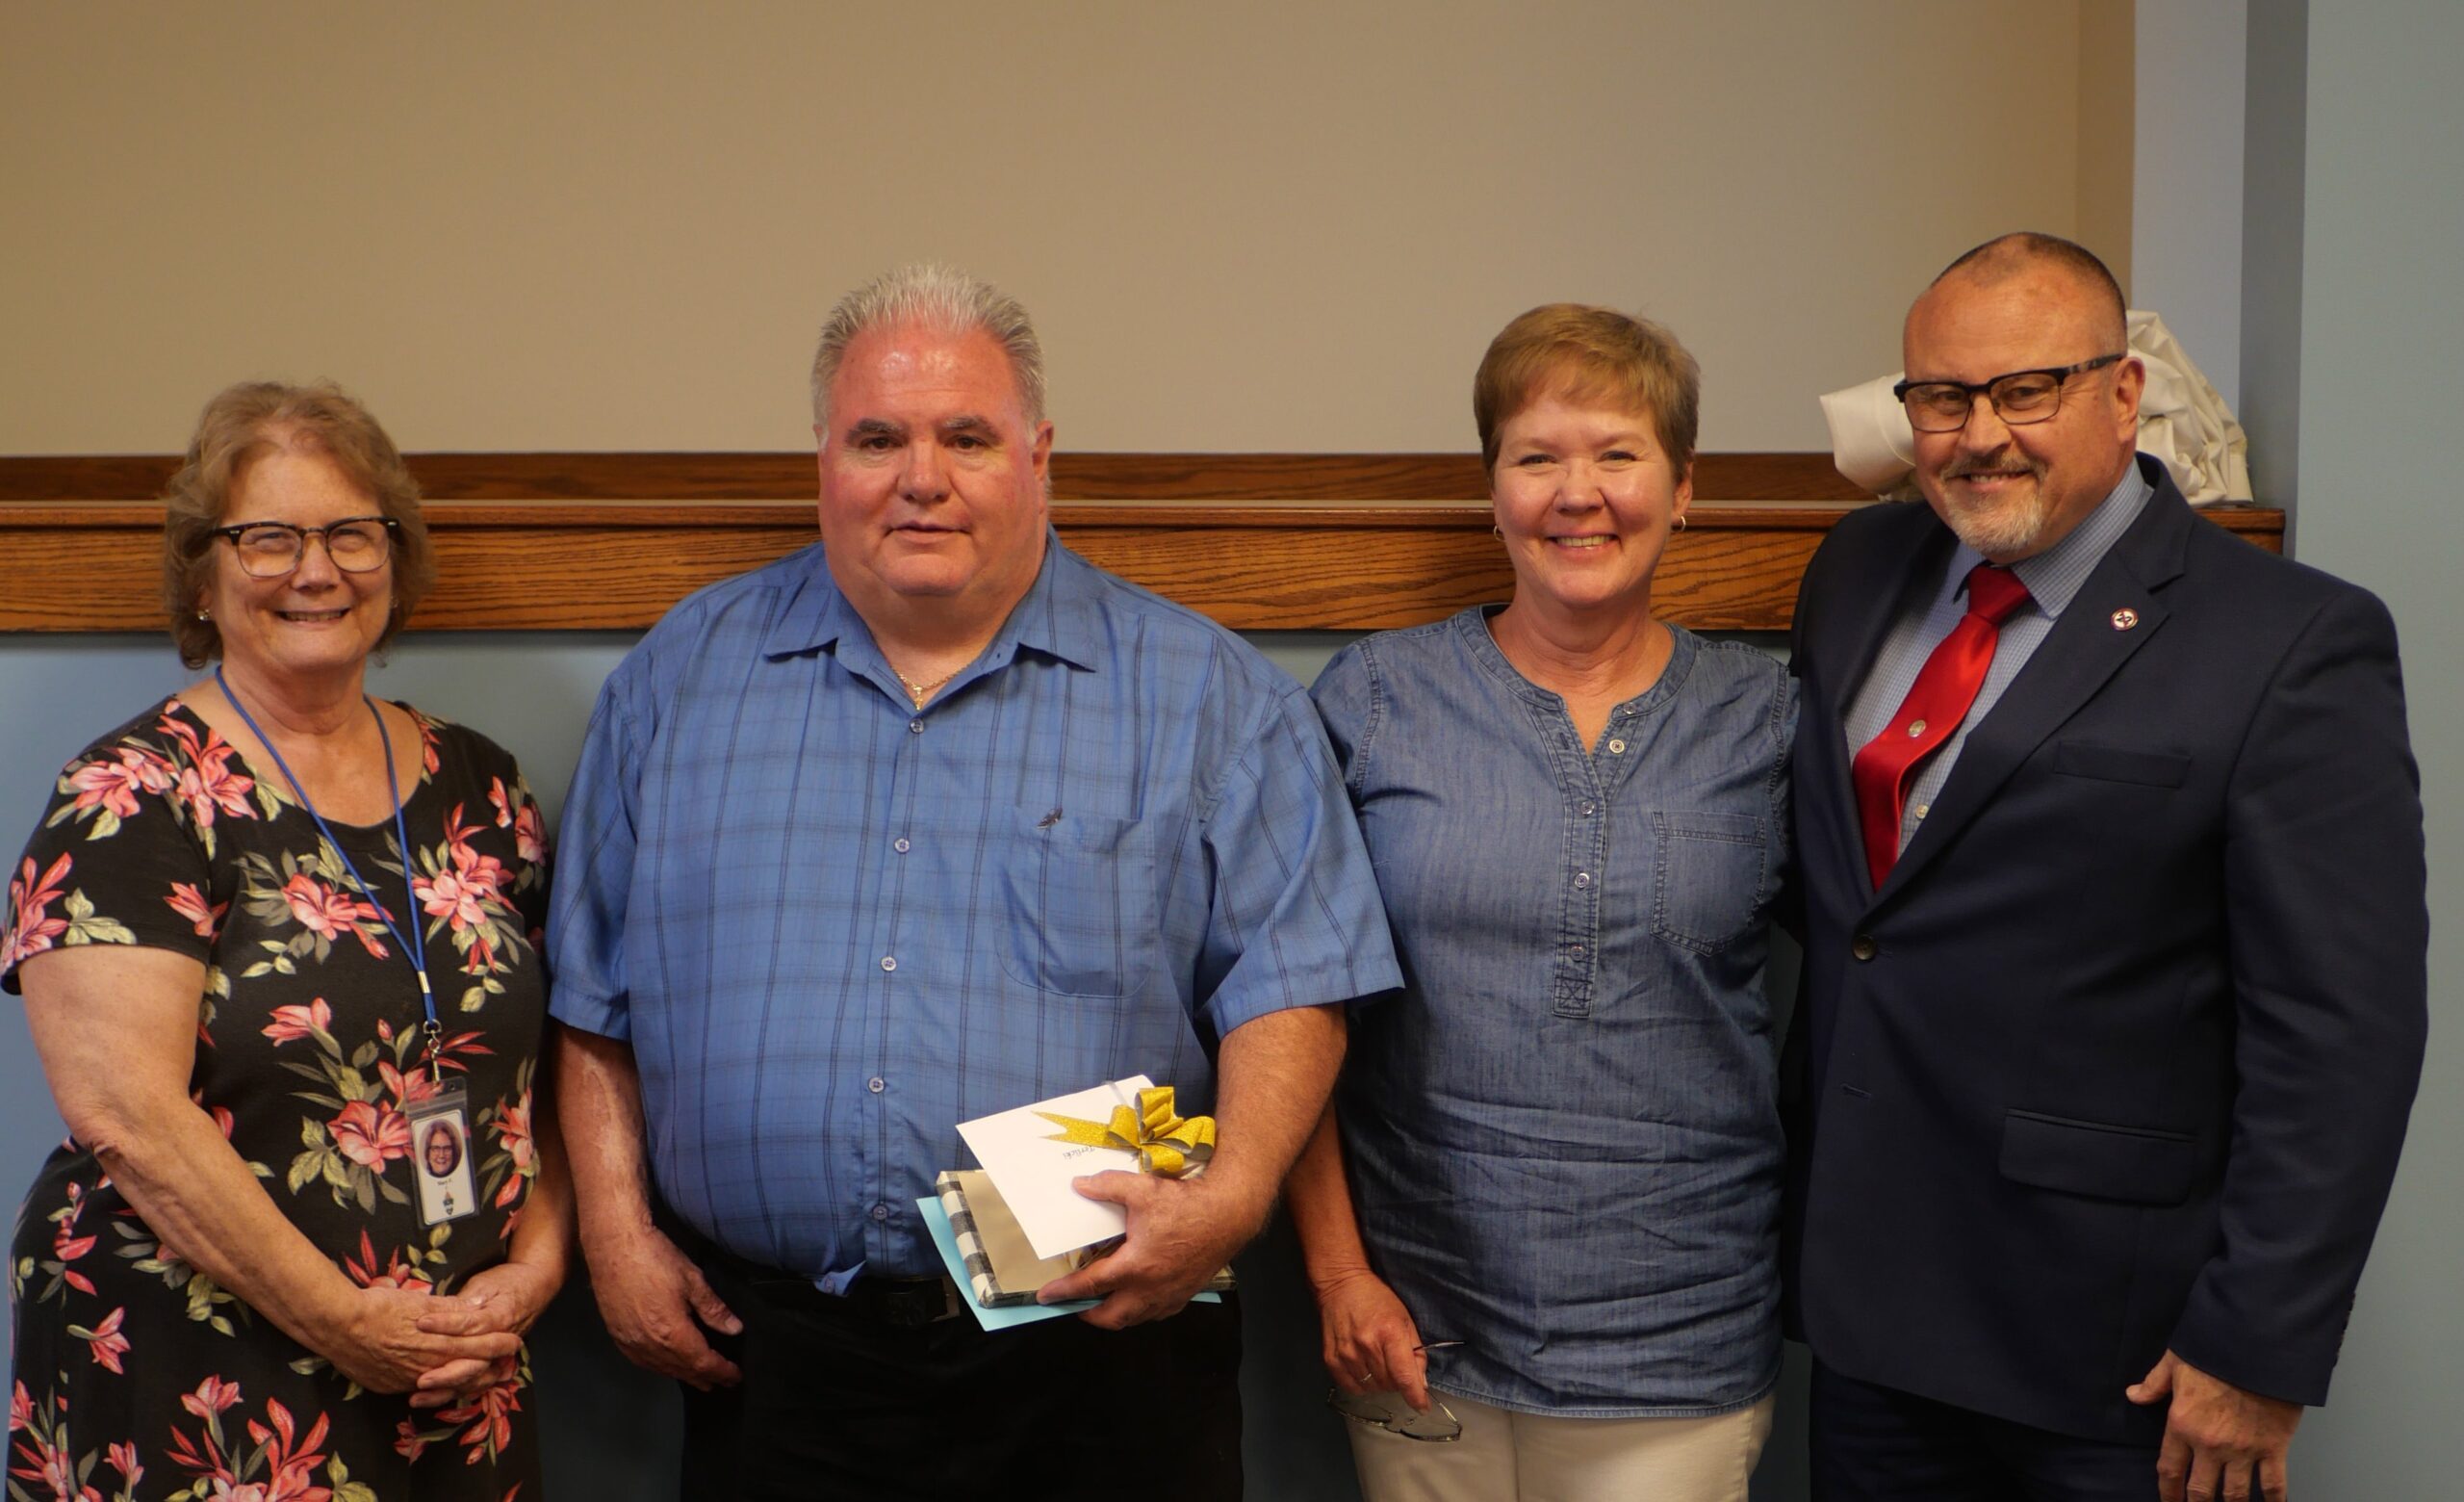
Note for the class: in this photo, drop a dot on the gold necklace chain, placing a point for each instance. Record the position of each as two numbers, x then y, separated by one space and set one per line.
921 691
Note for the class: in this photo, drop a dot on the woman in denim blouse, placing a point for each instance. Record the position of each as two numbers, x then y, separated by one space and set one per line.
1561 1139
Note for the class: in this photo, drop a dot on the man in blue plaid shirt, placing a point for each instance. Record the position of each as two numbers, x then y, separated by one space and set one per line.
930 820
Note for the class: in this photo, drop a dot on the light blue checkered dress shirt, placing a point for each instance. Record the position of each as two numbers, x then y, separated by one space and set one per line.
2053 579
833 925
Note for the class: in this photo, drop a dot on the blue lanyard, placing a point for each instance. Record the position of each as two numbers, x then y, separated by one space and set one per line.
414 948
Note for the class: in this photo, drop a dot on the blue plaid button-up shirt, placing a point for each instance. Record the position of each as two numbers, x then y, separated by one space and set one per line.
832 926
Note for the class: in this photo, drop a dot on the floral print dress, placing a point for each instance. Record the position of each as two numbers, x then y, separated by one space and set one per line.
137 1377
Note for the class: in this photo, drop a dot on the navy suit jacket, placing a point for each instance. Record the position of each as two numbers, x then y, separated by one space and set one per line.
2119 1057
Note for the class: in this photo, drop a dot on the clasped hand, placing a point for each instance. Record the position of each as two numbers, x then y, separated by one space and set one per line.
1180 1232
478 1333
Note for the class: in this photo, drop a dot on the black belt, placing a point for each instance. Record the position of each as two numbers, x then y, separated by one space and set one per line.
901 1302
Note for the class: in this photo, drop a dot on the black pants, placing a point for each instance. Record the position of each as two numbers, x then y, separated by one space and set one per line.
839 1401
1879 1445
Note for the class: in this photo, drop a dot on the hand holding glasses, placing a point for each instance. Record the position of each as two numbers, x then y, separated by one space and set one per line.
1389 1411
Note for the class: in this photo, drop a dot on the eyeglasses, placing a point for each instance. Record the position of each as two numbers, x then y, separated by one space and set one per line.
271 549
1389 1411
2018 398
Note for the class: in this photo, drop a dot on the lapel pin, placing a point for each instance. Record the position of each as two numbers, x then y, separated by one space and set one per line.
2125 618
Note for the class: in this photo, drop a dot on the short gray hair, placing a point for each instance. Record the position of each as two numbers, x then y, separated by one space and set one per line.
938 296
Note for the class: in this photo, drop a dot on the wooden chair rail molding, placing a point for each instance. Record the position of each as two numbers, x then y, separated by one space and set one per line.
1258 541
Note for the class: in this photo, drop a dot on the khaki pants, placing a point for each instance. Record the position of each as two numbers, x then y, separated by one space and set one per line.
1510 1457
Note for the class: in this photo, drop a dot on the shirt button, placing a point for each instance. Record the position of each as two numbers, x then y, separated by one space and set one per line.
1915 728
1587 810
1582 879
1919 810
899 844
1864 947
875 1084
1617 747
1576 947
915 727
890 962
881 1212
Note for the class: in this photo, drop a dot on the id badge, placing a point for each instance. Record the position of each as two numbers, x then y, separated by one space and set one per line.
441 1152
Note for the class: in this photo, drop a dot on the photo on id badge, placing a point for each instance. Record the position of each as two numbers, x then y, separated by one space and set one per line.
441 1146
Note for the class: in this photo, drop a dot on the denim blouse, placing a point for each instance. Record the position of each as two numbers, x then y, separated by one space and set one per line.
1563 1133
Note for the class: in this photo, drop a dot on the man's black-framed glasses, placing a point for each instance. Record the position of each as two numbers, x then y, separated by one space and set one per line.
2018 397
269 550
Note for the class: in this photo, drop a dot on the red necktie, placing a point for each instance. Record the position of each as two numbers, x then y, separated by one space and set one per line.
1935 704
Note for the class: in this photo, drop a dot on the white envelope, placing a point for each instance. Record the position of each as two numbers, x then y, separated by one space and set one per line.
1033 1172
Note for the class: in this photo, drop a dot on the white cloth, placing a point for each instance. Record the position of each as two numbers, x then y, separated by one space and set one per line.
2182 420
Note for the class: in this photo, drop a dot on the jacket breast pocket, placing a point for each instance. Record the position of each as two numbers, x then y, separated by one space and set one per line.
2135 1165
2120 763
1707 880
1078 904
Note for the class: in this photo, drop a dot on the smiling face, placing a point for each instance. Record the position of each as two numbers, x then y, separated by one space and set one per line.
2013 491
931 477
443 1153
316 622
1586 496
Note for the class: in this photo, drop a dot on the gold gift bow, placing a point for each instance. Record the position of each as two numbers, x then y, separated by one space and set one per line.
1165 1143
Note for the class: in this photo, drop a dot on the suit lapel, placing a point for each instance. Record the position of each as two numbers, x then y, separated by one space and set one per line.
1845 656
2077 657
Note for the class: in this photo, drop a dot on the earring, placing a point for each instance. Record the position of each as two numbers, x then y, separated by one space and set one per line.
205 615
1498 532
1680 521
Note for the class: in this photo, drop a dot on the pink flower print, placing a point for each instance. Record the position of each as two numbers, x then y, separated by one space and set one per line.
69 1247
513 1129
22 1407
294 1462
190 904
104 1342
30 931
449 895
397 1273
123 1458
208 784
329 913
409 1086
408 1443
53 1467
530 833
290 1024
114 784
491 1419
372 1135
212 1396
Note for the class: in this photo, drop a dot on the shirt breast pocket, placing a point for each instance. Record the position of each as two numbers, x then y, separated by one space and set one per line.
1708 879
1079 904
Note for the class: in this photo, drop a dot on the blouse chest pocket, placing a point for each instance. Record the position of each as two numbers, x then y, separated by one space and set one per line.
1078 904
1707 883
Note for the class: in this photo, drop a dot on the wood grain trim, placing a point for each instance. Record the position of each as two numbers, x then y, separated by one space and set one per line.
1260 542
1075 476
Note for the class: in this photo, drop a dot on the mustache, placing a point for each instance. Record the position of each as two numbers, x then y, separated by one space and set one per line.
1992 464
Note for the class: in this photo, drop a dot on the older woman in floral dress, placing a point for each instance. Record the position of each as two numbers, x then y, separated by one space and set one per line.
269 934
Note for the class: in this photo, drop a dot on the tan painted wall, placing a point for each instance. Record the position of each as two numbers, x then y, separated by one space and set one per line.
1256 226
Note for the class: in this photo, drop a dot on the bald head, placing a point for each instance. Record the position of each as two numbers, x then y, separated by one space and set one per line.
2050 258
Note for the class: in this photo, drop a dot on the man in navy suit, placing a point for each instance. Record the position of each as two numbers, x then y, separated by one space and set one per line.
2113 993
